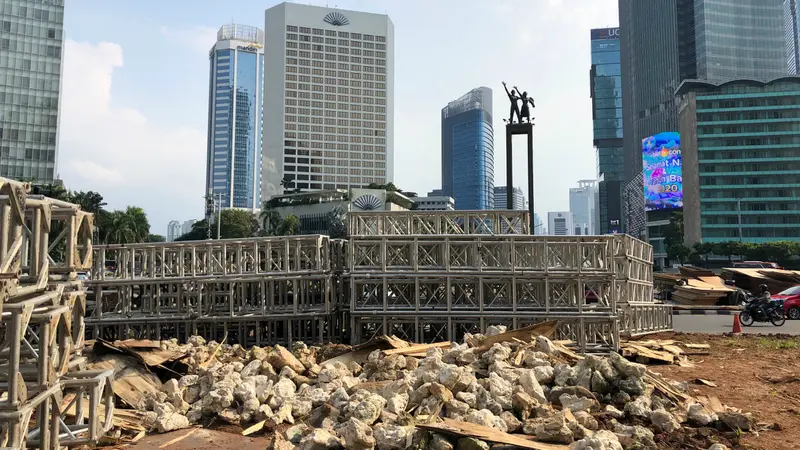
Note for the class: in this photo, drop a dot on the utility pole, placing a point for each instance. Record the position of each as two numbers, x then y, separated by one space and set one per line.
219 214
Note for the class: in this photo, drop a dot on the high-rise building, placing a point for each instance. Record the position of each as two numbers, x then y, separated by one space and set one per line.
434 203
664 42
539 227
741 160
468 150
739 39
233 162
560 223
328 99
31 48
605 78
174 230
501 198
582 205
187 226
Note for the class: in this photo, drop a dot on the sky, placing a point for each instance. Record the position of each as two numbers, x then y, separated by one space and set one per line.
134 112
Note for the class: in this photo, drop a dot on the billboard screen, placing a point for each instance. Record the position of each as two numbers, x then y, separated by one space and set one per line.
605 33
663 177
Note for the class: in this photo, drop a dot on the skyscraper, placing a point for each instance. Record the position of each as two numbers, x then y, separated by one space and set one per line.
664 42
31 48
468 150
560 223
233 164
582 206
739 39
606 91
328 99
501 198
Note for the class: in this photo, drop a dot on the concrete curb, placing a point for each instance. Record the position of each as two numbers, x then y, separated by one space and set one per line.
704 312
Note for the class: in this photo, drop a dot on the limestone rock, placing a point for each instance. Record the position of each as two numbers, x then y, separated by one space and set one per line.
663 421
554 429
575 403
699 415
439 442
356 435
601 440
512 423
392 437
280 357
737 421
717 447
170 421
365 406
295 434
468 443
319 439
586 420
280 443
531 386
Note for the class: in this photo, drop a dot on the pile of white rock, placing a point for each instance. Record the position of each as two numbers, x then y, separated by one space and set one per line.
597 404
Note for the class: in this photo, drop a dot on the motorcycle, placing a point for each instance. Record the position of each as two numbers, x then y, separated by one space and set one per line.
770 312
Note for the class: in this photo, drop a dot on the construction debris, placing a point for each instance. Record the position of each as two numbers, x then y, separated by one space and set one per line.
514 388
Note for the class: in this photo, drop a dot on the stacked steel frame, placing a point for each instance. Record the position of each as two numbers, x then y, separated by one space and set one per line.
253 291
421 275
47 398
434 276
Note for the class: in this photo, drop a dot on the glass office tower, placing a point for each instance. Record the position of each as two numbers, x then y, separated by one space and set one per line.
791 35
468 150
606 92
233 165
31 43
740 39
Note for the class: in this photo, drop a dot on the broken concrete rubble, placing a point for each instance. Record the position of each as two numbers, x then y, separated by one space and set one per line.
519 387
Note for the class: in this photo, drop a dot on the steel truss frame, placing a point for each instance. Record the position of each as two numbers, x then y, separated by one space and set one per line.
401 223
42 324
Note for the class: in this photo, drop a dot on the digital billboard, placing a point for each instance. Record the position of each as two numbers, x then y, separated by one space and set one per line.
663 177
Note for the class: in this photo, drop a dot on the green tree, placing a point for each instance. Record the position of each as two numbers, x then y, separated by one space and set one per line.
673 239
155 238
128 226
337 223
89 201
234 224
289 226
270 219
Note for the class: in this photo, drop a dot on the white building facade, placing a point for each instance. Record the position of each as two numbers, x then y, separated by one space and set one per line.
434 203
328 99
582 204
560 223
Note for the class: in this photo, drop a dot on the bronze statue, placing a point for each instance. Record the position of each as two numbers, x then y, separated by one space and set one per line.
514 96
526 112
514 108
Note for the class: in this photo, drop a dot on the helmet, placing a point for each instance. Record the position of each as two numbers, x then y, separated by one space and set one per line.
763 287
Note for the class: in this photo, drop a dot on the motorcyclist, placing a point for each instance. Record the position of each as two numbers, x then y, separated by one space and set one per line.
762 300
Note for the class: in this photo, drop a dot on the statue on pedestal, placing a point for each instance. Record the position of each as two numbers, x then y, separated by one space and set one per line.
523 116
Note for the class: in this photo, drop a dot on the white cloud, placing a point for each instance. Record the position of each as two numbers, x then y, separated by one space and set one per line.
198 37
115 150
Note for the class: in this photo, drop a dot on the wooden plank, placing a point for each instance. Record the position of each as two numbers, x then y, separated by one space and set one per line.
415 349
526 334
697 346
178 439
131 380
464 429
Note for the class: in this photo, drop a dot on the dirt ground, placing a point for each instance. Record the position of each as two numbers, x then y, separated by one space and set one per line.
742 367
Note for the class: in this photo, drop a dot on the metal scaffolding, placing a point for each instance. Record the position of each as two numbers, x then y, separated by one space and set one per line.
47 398
425 276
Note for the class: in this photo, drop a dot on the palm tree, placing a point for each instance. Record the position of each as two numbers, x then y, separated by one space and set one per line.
289 226
90 201
270 219
129 226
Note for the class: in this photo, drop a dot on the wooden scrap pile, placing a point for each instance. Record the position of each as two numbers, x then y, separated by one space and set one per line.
776 280
697 287
662 351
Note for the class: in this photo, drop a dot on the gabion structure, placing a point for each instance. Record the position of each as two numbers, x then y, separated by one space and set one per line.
423 276
47 398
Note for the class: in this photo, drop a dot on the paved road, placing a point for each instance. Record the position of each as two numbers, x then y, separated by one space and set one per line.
716 324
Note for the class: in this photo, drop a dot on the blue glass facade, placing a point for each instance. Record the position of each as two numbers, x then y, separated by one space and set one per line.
234 139
468 151
606 93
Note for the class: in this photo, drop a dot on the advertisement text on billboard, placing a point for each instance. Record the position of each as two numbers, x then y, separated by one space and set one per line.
663 175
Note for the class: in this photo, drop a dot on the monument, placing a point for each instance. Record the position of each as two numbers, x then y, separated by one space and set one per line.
522 125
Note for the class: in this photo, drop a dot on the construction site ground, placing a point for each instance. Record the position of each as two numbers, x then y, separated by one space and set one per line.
741 367
756 373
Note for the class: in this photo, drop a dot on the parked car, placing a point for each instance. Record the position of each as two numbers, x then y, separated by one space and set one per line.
756 265
791 301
